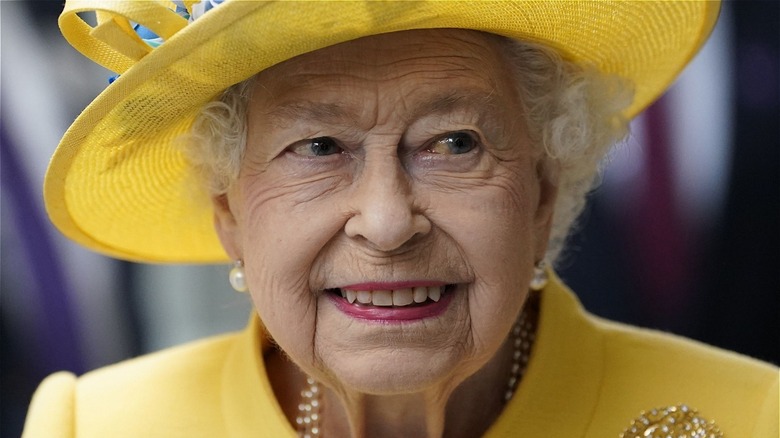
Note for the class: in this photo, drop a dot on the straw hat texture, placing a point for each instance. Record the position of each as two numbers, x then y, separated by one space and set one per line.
118 183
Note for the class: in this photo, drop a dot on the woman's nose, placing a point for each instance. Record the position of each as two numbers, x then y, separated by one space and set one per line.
385 214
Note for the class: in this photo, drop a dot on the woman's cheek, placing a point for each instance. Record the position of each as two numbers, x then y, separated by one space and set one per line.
284 232
490 222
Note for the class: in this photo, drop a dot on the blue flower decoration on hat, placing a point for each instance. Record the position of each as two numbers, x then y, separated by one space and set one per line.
192 12
195 11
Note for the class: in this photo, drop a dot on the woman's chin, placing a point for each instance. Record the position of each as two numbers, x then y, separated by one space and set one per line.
380 351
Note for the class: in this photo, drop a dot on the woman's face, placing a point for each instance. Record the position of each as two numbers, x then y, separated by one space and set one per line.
389 169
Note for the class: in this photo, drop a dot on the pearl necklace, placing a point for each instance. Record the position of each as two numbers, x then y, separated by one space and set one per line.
523 336
308 419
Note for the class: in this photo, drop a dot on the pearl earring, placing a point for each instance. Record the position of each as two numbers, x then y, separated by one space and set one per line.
540 276
237 276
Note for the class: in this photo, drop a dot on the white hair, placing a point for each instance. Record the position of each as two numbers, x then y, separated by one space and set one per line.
573 113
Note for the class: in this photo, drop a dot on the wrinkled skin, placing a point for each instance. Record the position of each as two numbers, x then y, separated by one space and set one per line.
422 170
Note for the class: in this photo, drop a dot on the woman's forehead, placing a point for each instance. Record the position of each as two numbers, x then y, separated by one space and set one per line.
429 71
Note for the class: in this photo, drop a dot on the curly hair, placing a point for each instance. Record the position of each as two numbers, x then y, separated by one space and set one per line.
571 112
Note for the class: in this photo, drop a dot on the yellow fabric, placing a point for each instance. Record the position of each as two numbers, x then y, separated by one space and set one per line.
113 43
118 182
586 378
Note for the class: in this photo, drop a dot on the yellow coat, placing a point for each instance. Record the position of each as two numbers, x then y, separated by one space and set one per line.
587 378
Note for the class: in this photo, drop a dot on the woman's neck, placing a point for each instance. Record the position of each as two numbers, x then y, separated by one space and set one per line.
361 415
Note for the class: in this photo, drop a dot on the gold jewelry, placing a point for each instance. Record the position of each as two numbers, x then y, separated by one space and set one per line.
674 421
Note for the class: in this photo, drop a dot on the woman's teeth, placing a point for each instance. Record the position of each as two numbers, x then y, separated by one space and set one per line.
398 297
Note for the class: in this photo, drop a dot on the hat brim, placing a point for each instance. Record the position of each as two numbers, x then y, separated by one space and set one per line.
119 184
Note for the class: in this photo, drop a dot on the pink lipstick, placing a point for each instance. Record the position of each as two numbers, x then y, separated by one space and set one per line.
393 301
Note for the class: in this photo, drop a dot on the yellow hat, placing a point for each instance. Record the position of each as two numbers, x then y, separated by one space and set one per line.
118 183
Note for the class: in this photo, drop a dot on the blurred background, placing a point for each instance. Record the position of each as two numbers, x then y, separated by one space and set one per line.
683 234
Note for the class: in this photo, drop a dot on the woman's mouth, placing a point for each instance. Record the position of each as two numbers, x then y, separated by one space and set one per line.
401 304
397 298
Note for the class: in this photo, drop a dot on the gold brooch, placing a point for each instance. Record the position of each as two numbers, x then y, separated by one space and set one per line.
671 422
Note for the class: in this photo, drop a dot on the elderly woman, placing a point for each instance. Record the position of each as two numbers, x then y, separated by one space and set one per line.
390 181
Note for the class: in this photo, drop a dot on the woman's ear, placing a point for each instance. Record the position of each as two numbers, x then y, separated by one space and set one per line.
547 174
226 226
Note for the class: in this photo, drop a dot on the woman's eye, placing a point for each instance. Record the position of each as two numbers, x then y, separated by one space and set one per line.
316 147
453 144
